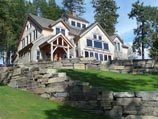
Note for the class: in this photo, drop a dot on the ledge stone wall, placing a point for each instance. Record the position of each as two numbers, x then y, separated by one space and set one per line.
51 84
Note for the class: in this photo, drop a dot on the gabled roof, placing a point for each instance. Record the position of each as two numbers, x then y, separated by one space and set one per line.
60 35
56 22
42 22
91 27
114 36
74 17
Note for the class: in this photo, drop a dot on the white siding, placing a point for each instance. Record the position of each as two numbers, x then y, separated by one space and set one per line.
96 30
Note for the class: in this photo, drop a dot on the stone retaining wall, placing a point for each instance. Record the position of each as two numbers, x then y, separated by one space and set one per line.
51 84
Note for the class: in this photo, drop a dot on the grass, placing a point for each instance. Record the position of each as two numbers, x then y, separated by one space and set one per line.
17 104
115 81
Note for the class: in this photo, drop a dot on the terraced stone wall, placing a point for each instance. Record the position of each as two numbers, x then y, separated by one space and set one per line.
51 84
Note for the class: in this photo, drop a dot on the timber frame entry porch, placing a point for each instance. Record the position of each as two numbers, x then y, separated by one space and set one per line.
58 46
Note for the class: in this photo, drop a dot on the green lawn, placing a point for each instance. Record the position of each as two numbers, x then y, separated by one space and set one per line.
17 104
115 81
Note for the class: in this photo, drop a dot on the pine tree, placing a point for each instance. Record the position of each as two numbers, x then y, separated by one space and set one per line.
11 25
74 6
105 14
46 8
140 42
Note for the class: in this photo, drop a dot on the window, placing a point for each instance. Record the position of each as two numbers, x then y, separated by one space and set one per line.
118 46
36 33
101 57
60 30
73 23
89 42
63 31
38 54
100 38
96 56
57 30
109 57
106 46
78 25
105 57
83 26
23 43
86 54
95 36
91 54
27 40
97 44
30 37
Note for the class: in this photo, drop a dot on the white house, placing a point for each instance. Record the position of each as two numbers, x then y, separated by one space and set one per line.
68 37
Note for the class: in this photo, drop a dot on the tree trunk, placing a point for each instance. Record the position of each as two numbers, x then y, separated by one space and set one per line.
143 40
7 57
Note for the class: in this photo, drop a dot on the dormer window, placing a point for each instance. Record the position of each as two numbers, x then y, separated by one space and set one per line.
83 26
78 25
73 23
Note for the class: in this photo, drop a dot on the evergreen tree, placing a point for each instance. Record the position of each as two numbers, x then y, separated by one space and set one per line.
105 14
151 14
11 25
46 8
141 41
74 6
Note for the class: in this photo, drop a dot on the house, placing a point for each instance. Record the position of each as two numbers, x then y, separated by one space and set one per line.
68 37
120 50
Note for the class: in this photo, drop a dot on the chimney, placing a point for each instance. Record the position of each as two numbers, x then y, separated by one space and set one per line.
74 13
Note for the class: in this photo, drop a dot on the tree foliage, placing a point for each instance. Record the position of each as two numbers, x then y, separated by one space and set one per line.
10 25
46 8
147 29
74 6
140 41
12 17
105 14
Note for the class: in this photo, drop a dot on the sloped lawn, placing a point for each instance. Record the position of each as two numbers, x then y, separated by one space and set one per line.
17 104
118 82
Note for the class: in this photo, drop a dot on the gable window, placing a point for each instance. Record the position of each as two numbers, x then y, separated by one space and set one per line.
78 25
100 38
63 31
73 23
57 30
89 42
95 36
60 30
83 26
106 46
97 44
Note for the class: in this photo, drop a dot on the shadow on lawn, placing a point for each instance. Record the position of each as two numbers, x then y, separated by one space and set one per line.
109 83
67 112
